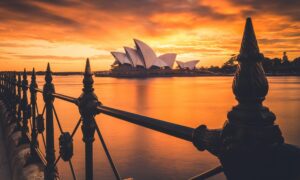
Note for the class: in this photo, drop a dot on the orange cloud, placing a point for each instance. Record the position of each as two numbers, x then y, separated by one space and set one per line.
66 32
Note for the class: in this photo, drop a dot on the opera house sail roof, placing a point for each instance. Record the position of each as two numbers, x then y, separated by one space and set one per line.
134 57
168 58
159 63
187 65
144 56
121 58
146 52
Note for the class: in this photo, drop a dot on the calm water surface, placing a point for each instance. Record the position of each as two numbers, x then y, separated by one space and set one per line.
144 154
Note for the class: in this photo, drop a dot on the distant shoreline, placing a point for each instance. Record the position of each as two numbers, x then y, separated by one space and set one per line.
204 75
139 76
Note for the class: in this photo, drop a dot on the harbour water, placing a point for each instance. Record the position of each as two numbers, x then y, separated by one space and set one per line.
191 101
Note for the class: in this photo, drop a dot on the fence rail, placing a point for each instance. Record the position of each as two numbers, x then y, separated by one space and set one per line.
13 89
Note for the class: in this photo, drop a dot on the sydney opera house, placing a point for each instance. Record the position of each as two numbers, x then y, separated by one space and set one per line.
143 57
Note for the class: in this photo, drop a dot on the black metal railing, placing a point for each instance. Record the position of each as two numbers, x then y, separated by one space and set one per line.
14 93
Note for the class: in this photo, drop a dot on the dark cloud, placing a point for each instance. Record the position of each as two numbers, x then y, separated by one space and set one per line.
150 7
29 11
289 8
277 40
139 11
293 34
60 2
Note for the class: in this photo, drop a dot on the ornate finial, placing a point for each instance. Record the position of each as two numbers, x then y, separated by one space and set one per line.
88 78
33 76
48 66
33 83
48 75
88 67
87 104
250 84
88 101
25 74
249 46
24 81
48 86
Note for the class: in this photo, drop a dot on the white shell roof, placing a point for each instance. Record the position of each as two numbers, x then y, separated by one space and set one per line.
159 63
134 57
168 58
144 56
180 64
146 52
189 64
121 57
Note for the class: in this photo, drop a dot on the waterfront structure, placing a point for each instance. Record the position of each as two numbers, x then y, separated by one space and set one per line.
190 65
169 59
144 57
121 58
134 57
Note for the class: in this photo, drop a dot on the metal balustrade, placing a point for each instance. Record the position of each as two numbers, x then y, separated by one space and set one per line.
14 93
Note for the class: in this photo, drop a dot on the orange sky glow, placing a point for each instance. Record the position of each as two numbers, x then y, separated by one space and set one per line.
66 32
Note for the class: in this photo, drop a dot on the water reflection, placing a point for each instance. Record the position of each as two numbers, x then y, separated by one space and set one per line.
143 154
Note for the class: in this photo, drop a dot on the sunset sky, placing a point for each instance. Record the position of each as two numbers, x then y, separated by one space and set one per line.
66 32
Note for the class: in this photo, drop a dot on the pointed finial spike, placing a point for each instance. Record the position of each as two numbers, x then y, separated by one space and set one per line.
48 75
33 83
33 73
250 83
249 50
88 78
48 67
88 67
25 74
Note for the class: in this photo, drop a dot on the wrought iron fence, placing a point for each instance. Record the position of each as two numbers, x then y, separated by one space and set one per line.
14 92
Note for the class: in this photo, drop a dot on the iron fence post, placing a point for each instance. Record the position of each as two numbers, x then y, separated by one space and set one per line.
48 90
88 102
34 141
250 135
14 95
250 145
24 107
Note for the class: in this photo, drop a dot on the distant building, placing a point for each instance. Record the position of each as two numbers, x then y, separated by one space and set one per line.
190 65
284 58
143 56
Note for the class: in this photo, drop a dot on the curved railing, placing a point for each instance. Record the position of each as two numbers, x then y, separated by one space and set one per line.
14 93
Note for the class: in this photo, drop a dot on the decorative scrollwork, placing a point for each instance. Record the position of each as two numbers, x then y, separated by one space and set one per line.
66 146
